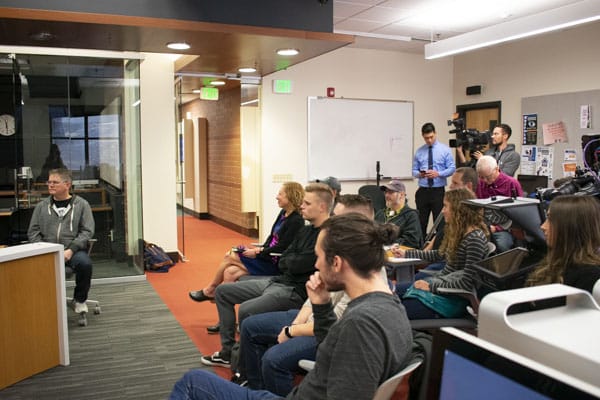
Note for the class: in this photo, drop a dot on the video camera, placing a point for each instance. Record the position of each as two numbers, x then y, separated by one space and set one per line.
471 140
584 183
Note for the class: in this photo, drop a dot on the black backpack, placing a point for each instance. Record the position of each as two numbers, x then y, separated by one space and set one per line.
155 258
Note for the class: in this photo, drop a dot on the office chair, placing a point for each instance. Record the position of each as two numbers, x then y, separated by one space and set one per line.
82 321
18 225
386 390
376 195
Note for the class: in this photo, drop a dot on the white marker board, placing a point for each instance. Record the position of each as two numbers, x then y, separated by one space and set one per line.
346 138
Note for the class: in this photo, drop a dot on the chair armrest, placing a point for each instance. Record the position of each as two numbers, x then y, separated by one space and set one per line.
471 296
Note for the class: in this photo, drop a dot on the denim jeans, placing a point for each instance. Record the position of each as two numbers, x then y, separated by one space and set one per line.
267 364
82 266
203 385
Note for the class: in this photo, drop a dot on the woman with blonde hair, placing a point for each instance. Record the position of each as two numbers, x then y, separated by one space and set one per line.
464 244
572 231
241 261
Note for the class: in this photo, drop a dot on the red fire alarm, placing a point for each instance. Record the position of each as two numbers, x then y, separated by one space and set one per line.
330 92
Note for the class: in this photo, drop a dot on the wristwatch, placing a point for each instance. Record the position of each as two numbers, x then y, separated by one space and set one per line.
286 330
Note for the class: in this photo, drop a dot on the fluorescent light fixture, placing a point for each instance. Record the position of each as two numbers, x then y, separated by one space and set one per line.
195 90
288 52
247 70
136 103
217 83
559 18
375 35
178 46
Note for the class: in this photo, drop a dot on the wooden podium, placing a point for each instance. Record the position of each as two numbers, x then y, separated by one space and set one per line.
33 315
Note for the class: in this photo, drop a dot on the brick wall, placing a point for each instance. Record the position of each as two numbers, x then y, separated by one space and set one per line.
224 160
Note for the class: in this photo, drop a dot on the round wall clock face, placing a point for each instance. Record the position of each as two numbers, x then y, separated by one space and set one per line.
7 125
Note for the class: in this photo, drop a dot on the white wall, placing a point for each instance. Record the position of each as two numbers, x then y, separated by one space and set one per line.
158 151
355 73
560 62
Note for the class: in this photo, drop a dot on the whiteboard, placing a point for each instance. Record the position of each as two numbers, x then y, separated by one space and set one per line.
346 138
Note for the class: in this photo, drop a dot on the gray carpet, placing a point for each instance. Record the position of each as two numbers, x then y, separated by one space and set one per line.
135 349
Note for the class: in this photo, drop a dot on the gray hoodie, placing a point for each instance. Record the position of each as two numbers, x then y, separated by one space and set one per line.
72 230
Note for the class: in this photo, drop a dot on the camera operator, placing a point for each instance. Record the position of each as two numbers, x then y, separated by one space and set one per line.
507 158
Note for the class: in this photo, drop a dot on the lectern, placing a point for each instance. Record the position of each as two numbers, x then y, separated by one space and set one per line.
33 316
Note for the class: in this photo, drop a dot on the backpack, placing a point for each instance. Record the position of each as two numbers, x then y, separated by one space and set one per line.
155 258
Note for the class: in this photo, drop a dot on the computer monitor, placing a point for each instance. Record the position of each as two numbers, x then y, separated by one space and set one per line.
468 368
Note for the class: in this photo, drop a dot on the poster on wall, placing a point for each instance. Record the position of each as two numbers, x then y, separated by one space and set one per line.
537 160
554 132
530 129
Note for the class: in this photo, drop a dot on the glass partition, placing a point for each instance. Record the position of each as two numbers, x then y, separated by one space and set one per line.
82 113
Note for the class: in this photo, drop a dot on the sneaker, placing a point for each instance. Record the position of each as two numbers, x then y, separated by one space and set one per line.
238 379
80 307
215 360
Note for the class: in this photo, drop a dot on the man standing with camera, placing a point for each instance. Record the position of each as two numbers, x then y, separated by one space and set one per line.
432 164
504 153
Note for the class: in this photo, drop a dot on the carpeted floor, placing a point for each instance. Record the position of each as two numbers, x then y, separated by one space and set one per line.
206 243
133 350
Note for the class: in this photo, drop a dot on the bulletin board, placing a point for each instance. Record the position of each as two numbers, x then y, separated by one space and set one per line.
346 138
563 107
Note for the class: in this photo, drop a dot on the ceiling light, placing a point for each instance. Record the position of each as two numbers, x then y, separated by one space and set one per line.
375 35
247 70
288 52
547 21
196 91
217 83
178 46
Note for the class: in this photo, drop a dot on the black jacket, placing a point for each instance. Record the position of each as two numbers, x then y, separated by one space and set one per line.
288 231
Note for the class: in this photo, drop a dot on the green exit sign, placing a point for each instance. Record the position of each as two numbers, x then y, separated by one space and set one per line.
209 93
282 86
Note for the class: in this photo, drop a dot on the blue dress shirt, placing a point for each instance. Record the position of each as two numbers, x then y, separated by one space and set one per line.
443 162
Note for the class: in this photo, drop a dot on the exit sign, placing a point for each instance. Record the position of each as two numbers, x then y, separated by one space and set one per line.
282 86
209 93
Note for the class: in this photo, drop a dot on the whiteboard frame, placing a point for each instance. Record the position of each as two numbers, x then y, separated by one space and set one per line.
314 174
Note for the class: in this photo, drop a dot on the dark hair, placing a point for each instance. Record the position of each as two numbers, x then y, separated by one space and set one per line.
323 192
574 236
505 128
468 174
427 128
357 239
64 174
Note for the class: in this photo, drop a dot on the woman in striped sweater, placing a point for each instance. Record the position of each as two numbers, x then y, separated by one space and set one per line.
465 243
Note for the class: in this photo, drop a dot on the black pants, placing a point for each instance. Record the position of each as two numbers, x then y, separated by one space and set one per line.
429 200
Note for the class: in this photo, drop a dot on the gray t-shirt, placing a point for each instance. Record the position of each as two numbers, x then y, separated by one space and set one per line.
369 344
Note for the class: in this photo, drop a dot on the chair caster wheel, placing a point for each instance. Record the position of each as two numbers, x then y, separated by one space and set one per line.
97 310
82 321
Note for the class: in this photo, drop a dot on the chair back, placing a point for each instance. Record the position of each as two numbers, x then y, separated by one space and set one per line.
19 224
376 195
386 390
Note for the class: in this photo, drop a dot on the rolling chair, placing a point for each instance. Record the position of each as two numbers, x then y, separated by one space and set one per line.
376 195
82 321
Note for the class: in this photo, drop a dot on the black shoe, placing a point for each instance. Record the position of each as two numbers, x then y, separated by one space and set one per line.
214 329
199 295
238 379
216 361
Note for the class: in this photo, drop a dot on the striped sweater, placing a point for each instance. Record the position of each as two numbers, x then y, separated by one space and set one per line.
460 273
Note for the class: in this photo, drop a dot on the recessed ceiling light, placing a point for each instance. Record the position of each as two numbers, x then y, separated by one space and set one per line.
178 46
247 70
287 52
196 91
217 83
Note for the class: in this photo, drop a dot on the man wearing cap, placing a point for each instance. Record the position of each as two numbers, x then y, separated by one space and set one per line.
432 164
335 186
398 212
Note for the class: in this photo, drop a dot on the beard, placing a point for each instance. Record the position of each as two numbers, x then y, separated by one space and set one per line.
332 282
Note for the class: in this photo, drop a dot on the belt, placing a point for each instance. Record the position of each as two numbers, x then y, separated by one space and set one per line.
431 188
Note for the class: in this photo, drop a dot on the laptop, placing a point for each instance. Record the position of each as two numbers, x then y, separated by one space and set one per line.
505 270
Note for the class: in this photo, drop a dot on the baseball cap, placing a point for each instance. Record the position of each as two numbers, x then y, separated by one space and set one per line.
332 183
394 185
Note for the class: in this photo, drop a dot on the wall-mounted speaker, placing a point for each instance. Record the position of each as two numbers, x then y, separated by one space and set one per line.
471 90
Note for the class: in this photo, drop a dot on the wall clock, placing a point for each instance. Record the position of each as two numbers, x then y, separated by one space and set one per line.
7 125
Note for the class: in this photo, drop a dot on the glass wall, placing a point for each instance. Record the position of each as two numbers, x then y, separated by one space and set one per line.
81 113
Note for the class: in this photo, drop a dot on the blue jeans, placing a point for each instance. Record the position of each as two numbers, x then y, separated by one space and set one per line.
267 364
504 241
202 385
82 266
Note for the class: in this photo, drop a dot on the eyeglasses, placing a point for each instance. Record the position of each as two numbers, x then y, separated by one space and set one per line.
51 183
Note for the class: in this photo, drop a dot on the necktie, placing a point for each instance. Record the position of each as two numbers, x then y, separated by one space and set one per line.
430 165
